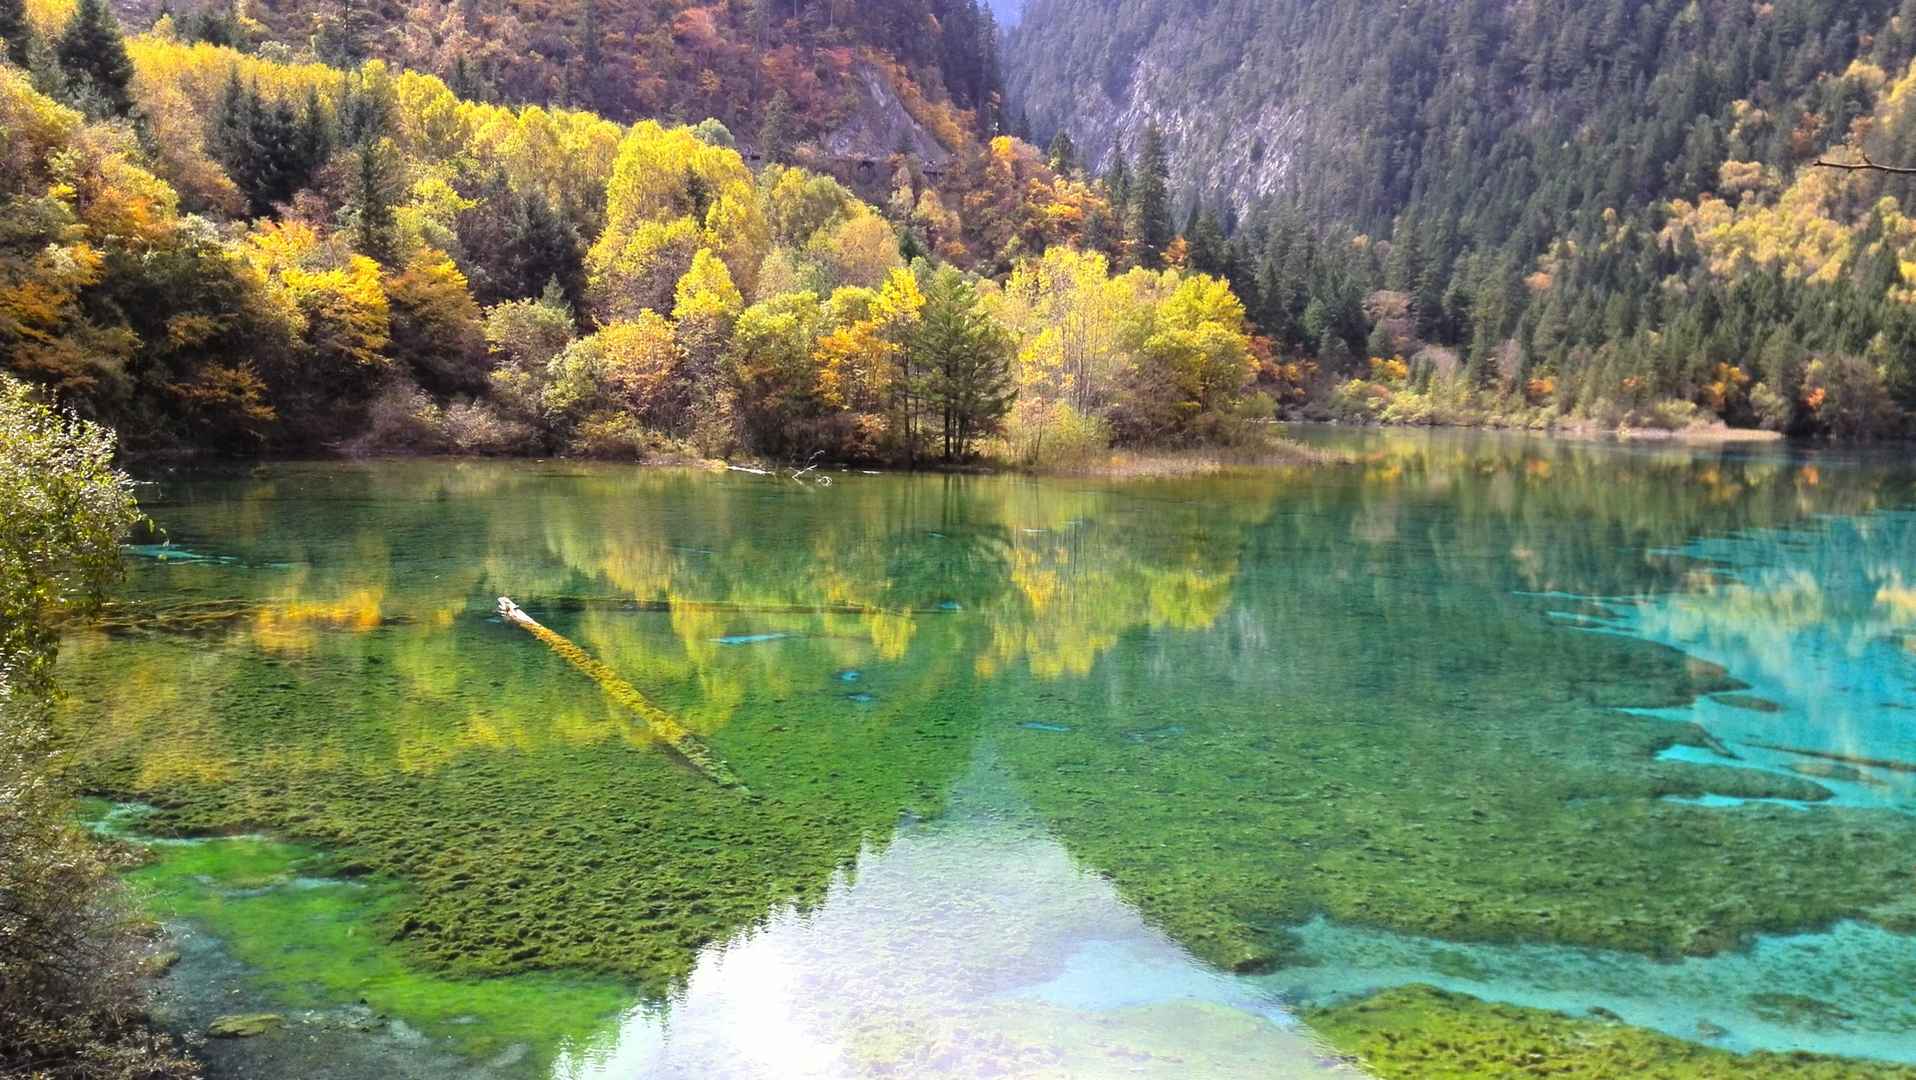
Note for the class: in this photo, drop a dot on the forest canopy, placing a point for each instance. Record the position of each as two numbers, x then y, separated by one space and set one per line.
248 251
1546 213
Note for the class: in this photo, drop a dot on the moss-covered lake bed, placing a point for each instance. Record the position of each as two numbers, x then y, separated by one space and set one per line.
1602 743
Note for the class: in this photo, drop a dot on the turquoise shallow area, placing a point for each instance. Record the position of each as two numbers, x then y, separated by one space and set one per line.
1819 618
992 776
1857 977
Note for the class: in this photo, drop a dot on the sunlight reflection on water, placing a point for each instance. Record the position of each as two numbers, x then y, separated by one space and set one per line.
973 945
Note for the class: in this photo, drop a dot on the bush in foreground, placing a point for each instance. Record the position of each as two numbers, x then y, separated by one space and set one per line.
72 997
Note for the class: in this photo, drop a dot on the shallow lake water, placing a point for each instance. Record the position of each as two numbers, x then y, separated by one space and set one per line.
988 776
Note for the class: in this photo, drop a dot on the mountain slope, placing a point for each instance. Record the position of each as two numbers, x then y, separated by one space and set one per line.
628 59
1357 110
1584 206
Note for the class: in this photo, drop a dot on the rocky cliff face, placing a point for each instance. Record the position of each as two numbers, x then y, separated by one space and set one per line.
1103 70
878 125
1239 155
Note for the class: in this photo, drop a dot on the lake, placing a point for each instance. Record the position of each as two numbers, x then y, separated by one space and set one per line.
1478 753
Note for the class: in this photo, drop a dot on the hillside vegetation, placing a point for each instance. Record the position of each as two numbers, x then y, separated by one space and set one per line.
675 60
210 247
1540 210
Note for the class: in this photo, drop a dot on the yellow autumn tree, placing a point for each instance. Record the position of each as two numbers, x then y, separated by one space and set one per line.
669 196
336 303
705 306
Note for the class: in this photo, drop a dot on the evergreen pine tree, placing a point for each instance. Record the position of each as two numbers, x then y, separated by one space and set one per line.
229 132
591 47
992 75
966 360
542 244
315 139
375 229
775 132
1210 251
343 36
1151 201
215 25
1063 154
92 53
17 32
1117 183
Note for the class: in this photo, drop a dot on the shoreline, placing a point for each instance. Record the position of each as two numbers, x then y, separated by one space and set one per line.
1116 463
1701 435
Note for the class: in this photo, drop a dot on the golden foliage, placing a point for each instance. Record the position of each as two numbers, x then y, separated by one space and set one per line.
670 195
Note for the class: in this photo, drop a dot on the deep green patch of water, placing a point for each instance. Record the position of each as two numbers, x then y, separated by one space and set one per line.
1040 771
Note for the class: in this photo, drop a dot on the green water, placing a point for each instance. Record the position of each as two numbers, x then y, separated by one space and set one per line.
1046 778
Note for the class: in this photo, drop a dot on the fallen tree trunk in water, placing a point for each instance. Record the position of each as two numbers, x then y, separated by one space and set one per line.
727 607
658 722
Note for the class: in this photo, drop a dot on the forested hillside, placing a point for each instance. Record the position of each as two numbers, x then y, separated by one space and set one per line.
679 60
249 249
1583 207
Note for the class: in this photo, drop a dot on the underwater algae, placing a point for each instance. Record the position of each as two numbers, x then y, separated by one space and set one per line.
570 848
1465 832
312 940
1393 731
1422 1033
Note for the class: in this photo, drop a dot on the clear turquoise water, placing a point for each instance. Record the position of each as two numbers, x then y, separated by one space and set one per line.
1071 778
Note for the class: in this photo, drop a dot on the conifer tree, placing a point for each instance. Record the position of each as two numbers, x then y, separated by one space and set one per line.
228 132
92 53
1062 155
1151 200
269 150
775 132
343 33
966 358
540 244
375 228
591 47
213 24
315 139
1210 251
1117 183
16 31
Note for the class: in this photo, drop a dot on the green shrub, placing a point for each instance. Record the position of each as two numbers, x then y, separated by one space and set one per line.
475 427
619 436
402 419
1671 415
1849 398
1040 433
1773 411
72 993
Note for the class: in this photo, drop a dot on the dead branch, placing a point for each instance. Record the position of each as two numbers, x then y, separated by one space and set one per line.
1865 165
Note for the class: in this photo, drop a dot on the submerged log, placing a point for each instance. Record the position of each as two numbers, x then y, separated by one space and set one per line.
725 607
661 724
1891 764
142 617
